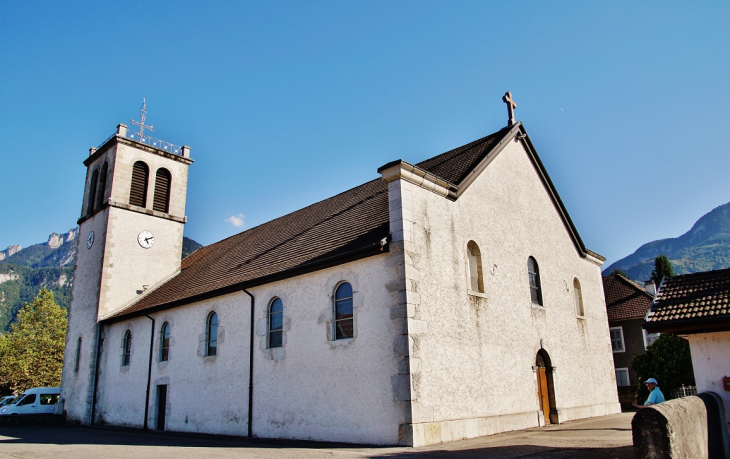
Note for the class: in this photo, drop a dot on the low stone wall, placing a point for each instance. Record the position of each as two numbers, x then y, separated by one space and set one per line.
682 428
32 419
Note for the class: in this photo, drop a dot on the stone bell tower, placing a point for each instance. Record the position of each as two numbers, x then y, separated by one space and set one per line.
130 239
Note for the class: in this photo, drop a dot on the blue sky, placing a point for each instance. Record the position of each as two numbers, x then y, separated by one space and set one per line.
287 103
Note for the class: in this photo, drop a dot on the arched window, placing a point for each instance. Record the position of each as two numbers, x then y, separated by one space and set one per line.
534 274
276 315
165 342
101 189
474 255
126 348
343 311
578 297
161 201
211 334
78 355
138 190
92 192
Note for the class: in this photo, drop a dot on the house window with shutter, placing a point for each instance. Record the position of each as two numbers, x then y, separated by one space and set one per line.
92 192
101 188
162 191
138 190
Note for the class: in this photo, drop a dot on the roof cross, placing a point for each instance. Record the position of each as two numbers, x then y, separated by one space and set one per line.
511 105
142 126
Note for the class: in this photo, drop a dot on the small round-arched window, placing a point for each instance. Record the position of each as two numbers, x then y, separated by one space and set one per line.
276 316
344 327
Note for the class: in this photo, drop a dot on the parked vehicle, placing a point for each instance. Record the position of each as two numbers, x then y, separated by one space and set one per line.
39 400
7 400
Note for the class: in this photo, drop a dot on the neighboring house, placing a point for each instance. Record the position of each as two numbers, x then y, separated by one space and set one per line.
627 304
444 300
697 307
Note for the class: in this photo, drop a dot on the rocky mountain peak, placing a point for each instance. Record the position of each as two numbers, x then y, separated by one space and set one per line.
55 240
10 251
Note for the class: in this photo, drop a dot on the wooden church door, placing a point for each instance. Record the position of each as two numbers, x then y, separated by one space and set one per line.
543 394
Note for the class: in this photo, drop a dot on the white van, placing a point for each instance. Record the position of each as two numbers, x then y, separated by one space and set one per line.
39 400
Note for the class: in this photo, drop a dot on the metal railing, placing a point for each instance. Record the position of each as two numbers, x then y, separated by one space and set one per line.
147 140
157 143
684 391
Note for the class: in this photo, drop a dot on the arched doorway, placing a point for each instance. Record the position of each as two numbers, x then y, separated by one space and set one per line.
545 388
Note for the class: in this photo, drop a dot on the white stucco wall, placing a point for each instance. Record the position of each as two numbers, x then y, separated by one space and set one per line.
311 388
711 363
475 353
112 273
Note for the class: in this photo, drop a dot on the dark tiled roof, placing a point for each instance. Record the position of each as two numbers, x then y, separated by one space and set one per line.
692 299
625 299
453 166
350 223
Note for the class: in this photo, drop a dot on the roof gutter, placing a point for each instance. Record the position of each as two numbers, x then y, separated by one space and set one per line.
365 252
149 375
250 366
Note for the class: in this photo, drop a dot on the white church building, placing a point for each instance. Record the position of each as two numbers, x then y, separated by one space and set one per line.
442 300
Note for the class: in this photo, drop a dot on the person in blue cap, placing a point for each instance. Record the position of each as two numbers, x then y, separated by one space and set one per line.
655 394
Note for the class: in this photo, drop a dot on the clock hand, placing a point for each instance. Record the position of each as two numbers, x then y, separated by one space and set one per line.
147 239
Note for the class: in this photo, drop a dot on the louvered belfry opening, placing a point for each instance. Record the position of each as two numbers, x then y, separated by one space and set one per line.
162 191
92 192
101 188
138 190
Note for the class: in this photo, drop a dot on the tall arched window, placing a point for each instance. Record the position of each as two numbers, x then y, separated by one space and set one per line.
474 255
211 334
578 297
534 274
343 311
78 354
161 201
276 315
101 189
92 192
126 348
138 189
165 342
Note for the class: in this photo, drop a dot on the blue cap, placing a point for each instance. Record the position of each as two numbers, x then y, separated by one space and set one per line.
651 381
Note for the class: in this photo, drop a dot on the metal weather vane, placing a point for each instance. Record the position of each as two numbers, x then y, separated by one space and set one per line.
142 126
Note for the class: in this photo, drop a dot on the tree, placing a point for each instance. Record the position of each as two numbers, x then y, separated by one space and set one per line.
31 355
619 271
669 361
662 268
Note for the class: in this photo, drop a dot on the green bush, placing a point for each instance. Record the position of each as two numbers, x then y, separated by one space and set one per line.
669 361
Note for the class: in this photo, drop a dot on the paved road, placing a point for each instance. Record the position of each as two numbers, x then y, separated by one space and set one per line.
607 437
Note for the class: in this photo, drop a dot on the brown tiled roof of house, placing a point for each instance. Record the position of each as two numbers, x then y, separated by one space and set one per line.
625 299
344 227
692 303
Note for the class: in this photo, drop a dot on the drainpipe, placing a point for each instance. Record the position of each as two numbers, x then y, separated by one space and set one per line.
149 374
96 372
250 368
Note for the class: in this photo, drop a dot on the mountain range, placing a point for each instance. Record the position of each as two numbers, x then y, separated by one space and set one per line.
24 271
705 247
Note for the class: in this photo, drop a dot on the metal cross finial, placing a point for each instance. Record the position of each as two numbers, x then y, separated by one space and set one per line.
142 126
511 105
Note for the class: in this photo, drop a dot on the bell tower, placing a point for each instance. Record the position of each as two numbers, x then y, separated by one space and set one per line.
130 240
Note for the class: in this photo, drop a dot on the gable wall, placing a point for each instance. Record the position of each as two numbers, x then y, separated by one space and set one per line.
476 354
311 388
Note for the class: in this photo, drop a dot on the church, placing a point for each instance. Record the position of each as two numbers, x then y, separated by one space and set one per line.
443 300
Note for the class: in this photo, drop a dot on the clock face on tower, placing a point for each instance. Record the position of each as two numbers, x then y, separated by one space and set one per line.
90 240
146 239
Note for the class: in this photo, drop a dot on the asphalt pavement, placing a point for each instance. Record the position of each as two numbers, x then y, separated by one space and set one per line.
606 437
